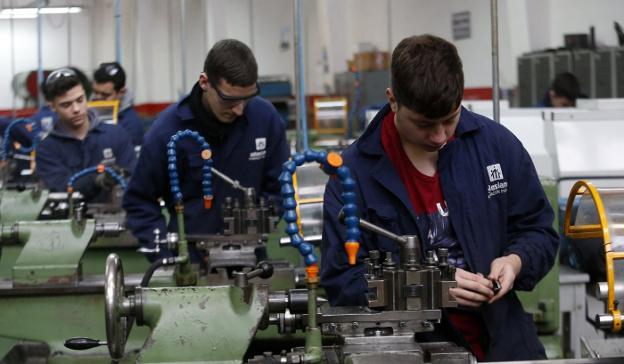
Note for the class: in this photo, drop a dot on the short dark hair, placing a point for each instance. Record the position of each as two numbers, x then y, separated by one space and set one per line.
566 85
111 72
59 82
427 75
233 61
84 80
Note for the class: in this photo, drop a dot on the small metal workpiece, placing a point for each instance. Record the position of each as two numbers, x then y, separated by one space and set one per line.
496 286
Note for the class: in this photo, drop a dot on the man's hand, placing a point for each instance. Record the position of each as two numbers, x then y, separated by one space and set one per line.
504 270
472 289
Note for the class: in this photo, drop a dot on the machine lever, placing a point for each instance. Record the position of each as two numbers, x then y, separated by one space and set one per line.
263 270
409 244
83 343
144 250
375 229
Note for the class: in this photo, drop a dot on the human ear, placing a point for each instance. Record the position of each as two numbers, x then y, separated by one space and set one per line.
392 100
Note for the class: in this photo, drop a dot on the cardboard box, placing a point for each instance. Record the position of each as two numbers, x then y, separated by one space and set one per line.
371 61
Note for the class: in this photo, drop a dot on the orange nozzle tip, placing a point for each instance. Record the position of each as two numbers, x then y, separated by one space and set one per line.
206 154
334 159
29 127
70 190
100 168
352 248
312 271
207 202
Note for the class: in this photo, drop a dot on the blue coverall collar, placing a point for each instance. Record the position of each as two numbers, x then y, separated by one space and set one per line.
185 114
59 130
383 171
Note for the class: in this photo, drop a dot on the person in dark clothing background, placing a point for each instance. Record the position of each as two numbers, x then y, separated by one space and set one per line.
426 166
78 140
246 135
563 91
109 83
40 126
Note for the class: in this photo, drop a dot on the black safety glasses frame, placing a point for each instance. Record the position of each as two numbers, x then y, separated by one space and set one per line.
236 99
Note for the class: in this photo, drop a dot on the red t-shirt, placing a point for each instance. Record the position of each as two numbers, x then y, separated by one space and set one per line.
425 194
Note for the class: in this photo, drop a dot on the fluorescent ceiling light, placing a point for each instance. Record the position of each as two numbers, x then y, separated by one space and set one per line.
31 13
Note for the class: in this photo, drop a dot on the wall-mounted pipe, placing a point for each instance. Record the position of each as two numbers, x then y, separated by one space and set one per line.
302 118
69 35
118 31
389 23
183 43
40 100
12 31
252 39
495 82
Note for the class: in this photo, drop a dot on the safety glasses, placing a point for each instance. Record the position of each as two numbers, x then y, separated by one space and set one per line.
58 74
235 100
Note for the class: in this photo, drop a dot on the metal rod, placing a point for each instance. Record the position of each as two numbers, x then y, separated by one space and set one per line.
227 179
172 84
389 22
495 82
69 35
12 31
376 229
204 10
302 119
40 100
381 231
135 38
183 42
252 40
118 31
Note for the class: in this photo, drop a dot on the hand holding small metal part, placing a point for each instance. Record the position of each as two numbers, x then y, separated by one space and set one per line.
503 271
473 289
496 286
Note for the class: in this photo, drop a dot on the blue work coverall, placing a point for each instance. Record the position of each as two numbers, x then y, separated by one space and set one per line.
128 119
61 155
492 214
252 153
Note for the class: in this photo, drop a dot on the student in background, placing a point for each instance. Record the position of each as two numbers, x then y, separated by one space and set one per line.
109 83
563 91
78 139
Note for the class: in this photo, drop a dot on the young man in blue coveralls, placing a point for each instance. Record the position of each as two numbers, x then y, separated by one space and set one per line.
245 133
109 83
42 123
427 166
78 140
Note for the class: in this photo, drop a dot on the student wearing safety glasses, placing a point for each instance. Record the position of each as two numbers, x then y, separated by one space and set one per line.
78 139
246 135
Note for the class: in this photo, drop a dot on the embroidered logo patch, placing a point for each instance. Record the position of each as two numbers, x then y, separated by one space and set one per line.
495 172
107 153
260 143
497 184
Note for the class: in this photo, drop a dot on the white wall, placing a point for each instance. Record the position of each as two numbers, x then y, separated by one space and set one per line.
333 31
576 16
54 50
